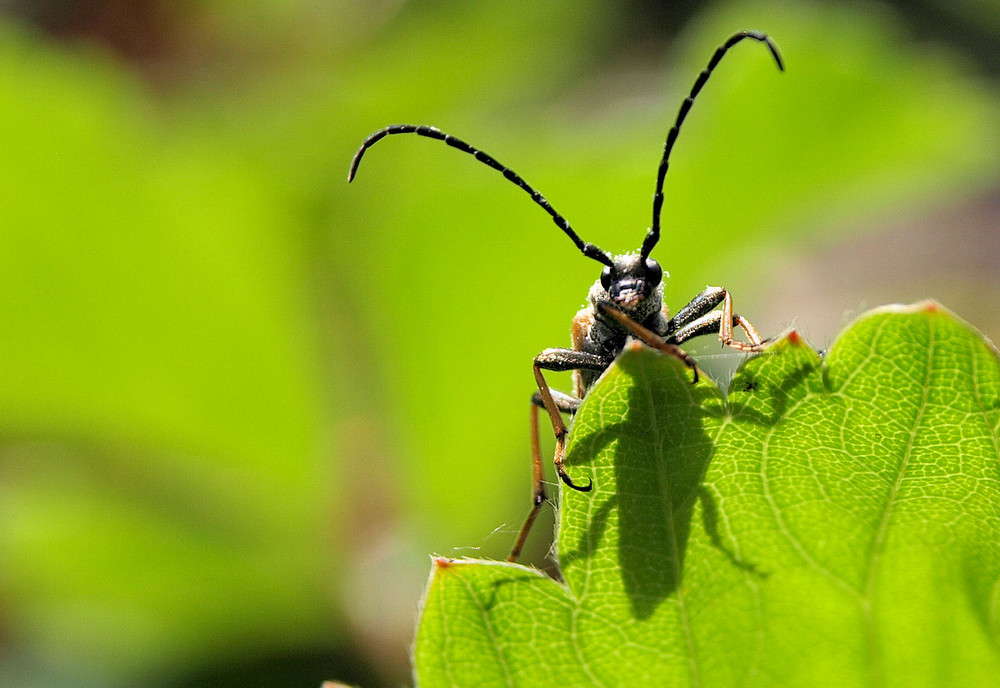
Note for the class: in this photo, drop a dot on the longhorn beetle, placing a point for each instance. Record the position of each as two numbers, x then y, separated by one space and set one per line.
627 300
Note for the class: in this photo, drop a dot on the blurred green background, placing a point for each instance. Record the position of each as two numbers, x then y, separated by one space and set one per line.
242 401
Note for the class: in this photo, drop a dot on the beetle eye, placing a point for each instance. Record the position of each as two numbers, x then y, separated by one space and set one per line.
606 278
654 273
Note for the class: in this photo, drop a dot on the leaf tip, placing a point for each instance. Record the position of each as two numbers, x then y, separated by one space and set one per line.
789 338
928 306
443 563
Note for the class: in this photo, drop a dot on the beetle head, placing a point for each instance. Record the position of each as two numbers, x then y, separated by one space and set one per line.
633 284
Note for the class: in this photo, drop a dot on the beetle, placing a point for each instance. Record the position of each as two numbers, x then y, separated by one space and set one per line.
626 302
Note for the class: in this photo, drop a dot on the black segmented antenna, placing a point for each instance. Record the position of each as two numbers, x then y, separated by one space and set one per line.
588 249
654 233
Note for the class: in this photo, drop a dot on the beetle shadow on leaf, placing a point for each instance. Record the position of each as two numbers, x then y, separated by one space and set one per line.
591 539
661 482
710 521
779 397
487 604
658 451
658 486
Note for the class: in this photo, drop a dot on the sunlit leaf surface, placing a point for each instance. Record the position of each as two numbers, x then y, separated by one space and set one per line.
835 522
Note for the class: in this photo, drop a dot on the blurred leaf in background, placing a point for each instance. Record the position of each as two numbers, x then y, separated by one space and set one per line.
165 488
242 401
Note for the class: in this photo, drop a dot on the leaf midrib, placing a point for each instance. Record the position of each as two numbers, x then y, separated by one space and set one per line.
879 537
665 498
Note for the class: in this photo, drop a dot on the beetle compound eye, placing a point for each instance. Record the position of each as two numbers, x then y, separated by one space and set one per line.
654 273
606 278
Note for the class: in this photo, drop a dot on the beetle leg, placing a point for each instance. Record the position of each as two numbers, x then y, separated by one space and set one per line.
697 318
714 323
701 305
555 404
560 360
566 404
726 329
650 338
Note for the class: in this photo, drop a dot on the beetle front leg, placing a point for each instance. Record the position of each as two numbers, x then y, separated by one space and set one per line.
701 305
697 318
650 338
555 404
715 323
562 360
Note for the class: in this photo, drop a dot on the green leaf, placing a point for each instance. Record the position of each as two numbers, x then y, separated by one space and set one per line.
162 477
832 522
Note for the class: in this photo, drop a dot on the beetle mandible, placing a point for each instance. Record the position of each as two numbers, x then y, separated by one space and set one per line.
626 302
